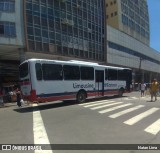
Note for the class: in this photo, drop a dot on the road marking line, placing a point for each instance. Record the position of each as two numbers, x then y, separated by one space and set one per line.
153 128
139 117
98 107
99 103
114 108
126 98
92 102
134 97
125 111
129 99
39 131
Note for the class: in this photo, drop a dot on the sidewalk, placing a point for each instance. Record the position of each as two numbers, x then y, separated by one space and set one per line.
11 104
4 105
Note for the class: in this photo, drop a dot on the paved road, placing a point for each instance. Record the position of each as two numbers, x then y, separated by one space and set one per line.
128 120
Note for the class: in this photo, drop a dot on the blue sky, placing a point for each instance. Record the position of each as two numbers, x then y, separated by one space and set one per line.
154 15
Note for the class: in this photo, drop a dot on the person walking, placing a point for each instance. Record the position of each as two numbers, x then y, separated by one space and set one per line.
143 87
1 97
154 89
18 94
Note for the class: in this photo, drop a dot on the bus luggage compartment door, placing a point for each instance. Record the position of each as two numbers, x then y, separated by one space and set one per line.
99 81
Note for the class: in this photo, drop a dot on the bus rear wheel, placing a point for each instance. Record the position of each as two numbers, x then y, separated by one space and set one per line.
81 97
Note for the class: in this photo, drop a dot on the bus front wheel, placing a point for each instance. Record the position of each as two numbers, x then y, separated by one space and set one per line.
81 97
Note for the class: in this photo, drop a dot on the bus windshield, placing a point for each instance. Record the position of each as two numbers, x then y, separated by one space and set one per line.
23 70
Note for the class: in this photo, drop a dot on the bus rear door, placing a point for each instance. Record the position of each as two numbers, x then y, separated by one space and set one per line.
99 80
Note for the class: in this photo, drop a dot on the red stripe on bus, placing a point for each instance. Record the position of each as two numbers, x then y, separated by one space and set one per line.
49 99
33 97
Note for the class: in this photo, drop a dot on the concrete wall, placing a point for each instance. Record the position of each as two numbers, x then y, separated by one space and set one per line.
111 9
125 59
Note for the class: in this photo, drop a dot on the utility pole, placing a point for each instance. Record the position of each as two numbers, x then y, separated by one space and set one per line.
140 69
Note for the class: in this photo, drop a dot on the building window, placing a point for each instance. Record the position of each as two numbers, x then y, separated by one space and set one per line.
124 19
7 29
7 5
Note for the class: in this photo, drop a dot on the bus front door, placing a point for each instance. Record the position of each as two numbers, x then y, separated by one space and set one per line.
99 82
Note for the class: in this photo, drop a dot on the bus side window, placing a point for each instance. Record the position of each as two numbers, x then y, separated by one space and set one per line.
52 72
112 74
71 72
121 75
38 71
87 73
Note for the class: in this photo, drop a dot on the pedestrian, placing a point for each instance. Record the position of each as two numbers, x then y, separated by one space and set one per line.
154 89
143 87
1 97
18 94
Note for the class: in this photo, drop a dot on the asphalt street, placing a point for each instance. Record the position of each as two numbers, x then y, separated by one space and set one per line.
130 119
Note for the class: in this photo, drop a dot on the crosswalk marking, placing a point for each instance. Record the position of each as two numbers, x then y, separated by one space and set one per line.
107 105
139 117
134 98
126 98
99 103
129 99
145 97
39 131
126 111
114 108
153 128
92 102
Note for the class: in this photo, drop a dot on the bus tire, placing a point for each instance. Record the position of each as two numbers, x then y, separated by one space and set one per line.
81 97
120 93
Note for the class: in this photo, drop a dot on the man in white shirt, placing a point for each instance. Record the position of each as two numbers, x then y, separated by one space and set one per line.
143 87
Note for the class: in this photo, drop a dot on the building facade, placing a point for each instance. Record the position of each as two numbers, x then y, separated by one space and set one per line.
52 29
11 38
66 28
124 50
131 17
76 29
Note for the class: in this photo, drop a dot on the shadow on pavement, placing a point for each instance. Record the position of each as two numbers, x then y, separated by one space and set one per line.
52 105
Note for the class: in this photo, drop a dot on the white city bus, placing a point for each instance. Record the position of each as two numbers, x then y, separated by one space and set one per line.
45 80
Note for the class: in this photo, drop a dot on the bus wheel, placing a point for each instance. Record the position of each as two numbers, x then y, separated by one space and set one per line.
120 93
81 97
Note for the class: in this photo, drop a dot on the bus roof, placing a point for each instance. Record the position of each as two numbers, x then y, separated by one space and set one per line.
76 62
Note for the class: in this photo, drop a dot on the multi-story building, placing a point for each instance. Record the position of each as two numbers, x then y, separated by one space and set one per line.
131 17
126 51
75 29
11 38
69 28
53 29
128 38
